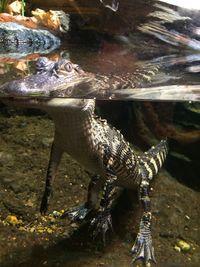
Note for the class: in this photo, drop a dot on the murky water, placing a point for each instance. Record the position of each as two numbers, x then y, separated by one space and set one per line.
27 238
25 142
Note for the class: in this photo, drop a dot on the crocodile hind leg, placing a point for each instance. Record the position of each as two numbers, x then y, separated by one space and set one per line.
80 212
143 248
55 156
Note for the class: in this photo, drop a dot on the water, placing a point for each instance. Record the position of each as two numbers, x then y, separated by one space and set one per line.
160 43
25 141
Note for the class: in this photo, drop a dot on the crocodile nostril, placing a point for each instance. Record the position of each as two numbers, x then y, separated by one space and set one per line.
78 69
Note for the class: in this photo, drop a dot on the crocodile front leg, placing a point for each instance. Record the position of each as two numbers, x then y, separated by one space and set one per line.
143 248
55 156
103 220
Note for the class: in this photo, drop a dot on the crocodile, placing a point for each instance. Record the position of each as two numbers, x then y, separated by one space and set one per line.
18 39
86 84
100 148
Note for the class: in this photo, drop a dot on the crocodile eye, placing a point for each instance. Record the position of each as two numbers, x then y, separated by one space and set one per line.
69 67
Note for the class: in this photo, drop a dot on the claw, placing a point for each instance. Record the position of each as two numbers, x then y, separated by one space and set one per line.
143 249
76 213
101 224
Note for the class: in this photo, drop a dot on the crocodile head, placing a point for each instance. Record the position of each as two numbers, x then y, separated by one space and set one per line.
52 79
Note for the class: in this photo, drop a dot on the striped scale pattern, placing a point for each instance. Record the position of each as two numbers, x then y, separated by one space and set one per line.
152 160
123 160
119 155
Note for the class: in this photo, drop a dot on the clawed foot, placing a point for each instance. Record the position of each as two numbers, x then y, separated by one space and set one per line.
143 249
76 213
102 223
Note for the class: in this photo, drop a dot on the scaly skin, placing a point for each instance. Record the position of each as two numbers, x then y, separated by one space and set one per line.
16 38
99 147
65 79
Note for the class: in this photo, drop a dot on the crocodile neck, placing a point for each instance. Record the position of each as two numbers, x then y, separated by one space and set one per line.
71 116
75 130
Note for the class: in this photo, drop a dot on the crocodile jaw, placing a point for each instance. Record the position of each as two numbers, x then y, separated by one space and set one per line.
40 85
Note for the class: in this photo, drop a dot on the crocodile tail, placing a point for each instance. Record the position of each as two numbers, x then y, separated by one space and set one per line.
152 160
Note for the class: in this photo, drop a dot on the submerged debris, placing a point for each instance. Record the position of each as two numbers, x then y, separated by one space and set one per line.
49 224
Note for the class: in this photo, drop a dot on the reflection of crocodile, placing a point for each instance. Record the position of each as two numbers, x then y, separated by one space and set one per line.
18 39
100 148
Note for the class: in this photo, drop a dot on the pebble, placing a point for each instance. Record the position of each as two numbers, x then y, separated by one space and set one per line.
46 142
6 159
49 231
74 225
183 245
178 249
13 220
187 217
56 213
